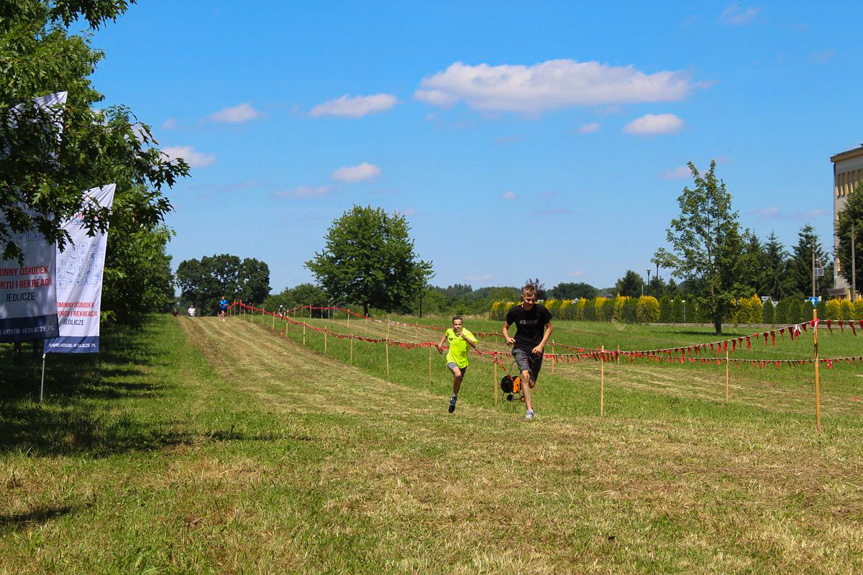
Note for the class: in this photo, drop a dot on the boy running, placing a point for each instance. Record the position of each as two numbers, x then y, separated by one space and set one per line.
223 308
533 328
456 358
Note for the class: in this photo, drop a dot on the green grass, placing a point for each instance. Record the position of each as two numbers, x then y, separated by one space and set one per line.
201 446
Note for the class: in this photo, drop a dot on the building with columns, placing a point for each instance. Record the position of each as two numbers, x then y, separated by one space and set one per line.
847 173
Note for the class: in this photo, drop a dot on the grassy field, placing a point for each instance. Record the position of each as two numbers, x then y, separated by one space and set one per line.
201 446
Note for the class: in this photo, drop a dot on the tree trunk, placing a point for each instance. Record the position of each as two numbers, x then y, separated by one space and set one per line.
717 323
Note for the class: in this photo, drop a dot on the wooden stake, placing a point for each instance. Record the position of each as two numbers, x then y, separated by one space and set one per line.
727 376
325 342
304 333
274 322
817 378
495 382
602 382
430 356
388 347
352 349
553 356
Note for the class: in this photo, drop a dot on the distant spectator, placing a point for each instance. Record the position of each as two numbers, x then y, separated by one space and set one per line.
175 311
192 310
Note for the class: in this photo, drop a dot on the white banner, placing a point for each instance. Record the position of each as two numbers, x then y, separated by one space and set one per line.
28 301
79 275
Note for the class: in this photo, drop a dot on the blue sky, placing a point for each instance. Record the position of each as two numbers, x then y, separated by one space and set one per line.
518 139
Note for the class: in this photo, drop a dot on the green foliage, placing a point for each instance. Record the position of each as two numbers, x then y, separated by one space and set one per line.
666 310
768 312
706 246
822 308
795 310
781 316
573 291
204 282
800 264
678 310
807 310
138 278
43 180
631 284
369 258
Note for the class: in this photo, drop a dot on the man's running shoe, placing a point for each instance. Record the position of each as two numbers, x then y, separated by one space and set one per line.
452 401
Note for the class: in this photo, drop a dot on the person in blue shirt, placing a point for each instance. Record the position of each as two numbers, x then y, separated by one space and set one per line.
223 308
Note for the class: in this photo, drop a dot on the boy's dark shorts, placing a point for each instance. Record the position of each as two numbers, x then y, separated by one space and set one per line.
527 361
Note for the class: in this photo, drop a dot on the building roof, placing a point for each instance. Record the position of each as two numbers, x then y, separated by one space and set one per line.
847 155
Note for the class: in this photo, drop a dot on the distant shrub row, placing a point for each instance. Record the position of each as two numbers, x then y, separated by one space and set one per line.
647 309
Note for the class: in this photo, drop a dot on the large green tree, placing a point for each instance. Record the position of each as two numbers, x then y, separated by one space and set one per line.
630 285
569 290
851 217
800 268
369 259
138 276
50 155
203 282
706 246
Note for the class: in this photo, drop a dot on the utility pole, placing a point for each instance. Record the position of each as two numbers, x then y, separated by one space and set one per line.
813 267
648 282
853 264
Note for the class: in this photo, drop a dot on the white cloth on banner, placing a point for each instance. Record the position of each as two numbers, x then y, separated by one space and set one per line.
80 269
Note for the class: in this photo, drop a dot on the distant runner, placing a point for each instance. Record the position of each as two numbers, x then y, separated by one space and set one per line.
459 340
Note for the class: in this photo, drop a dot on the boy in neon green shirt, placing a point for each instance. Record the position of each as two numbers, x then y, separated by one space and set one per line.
456 358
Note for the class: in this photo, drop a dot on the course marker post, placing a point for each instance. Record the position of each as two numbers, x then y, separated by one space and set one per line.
495 380
325 342
388 347
304 332
553 357
352 349
602 382
817 379
274 322
430 356
727 375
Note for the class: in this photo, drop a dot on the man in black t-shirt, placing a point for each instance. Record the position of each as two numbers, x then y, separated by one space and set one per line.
533 328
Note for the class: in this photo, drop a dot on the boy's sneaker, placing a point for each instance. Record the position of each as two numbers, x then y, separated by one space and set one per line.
529 414
452 401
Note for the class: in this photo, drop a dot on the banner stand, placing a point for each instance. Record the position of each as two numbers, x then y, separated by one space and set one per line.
42 384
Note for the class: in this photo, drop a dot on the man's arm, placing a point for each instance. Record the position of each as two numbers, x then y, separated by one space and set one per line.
548 329
470 340
439 346
509 340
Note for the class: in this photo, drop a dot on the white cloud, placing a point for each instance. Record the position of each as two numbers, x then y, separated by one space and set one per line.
405 212
589 128
654 124
771 212
575 273
353 174
355 107
509 196
304 192
737 15
482 278
236 114
194 158
679 173
169 124
549 85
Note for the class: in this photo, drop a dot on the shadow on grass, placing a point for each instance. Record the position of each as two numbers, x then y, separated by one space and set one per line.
71 419
13 522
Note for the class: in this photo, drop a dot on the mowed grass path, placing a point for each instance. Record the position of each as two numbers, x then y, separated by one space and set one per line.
263 457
